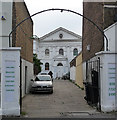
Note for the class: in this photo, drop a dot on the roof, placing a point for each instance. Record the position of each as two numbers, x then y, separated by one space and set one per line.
59 29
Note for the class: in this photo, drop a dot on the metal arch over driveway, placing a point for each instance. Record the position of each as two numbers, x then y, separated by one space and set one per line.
61 10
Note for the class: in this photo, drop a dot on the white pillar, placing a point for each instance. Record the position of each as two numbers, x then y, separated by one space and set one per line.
107 80
10 81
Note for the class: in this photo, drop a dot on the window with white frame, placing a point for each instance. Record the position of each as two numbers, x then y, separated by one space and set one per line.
75 52
61 52
47 52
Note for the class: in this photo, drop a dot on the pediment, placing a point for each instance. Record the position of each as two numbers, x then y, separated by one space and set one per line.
60 34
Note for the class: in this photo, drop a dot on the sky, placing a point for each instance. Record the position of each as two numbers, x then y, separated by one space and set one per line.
51 20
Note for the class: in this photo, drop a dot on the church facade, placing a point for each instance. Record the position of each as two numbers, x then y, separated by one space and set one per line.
56 50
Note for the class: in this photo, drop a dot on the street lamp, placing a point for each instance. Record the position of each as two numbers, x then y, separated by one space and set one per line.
61 10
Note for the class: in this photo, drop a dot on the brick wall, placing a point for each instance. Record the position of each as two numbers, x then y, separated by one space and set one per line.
109 14
91 35
103 17
21 37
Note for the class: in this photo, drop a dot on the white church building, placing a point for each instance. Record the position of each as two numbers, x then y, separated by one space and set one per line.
56 49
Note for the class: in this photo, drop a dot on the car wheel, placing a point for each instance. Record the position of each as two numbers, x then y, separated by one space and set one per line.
51 91
31 92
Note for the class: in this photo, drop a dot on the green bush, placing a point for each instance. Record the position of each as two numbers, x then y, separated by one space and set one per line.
37 64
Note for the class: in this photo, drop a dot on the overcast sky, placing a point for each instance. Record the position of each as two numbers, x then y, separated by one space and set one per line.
49 21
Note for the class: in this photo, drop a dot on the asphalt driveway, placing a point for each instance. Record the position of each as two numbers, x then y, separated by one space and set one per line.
67 100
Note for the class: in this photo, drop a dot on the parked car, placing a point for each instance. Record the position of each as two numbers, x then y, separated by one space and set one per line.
43 73
66 76
42 83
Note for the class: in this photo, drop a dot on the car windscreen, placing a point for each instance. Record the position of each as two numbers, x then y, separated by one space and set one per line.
43 73
42 78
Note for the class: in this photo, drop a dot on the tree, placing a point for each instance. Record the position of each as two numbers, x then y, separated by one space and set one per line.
37 64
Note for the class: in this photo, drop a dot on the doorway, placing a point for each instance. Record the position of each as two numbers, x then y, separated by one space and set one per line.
60 69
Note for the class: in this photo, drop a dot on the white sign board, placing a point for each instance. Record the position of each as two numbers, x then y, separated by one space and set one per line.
10 79
111 80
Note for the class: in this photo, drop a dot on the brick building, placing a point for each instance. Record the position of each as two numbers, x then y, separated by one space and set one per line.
21 38
13 13
104 15
92 37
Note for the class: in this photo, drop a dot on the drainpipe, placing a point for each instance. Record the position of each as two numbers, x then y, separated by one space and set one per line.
20 86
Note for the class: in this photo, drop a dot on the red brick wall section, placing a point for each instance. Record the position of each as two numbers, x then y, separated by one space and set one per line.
103 17
109 14
91 35
21 37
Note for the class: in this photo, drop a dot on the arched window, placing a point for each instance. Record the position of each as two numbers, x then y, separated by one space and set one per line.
75 52
47 52
46 66
61 52
60 64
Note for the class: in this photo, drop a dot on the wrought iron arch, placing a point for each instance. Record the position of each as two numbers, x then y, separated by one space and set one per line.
58 9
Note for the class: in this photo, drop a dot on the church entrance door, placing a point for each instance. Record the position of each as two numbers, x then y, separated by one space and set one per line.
60 70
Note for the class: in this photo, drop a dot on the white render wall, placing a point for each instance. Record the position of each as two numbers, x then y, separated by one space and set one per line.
5 25
111 33
29 75
35 46
73 73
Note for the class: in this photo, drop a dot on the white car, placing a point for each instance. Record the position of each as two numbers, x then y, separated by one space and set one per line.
42 83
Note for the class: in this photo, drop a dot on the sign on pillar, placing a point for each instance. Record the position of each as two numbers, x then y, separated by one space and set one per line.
10 81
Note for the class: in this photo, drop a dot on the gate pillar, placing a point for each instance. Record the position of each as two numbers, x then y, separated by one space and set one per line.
10 81
107 80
